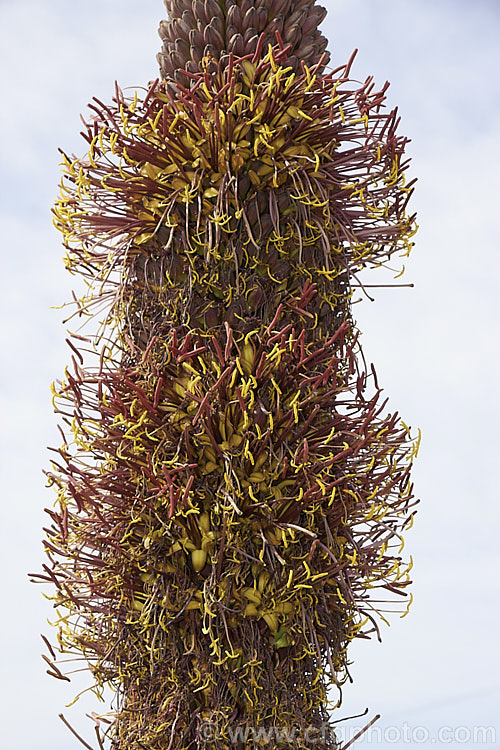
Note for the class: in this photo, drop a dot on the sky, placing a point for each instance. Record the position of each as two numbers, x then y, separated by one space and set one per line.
435 346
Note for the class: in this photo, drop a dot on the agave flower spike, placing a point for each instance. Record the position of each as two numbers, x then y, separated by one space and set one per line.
232 489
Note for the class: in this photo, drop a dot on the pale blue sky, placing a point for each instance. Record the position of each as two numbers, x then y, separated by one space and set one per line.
435 347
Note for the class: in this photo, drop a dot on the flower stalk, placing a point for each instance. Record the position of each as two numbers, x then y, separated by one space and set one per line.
232 490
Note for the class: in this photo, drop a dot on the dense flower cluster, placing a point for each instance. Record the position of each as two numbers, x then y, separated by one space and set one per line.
231 488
